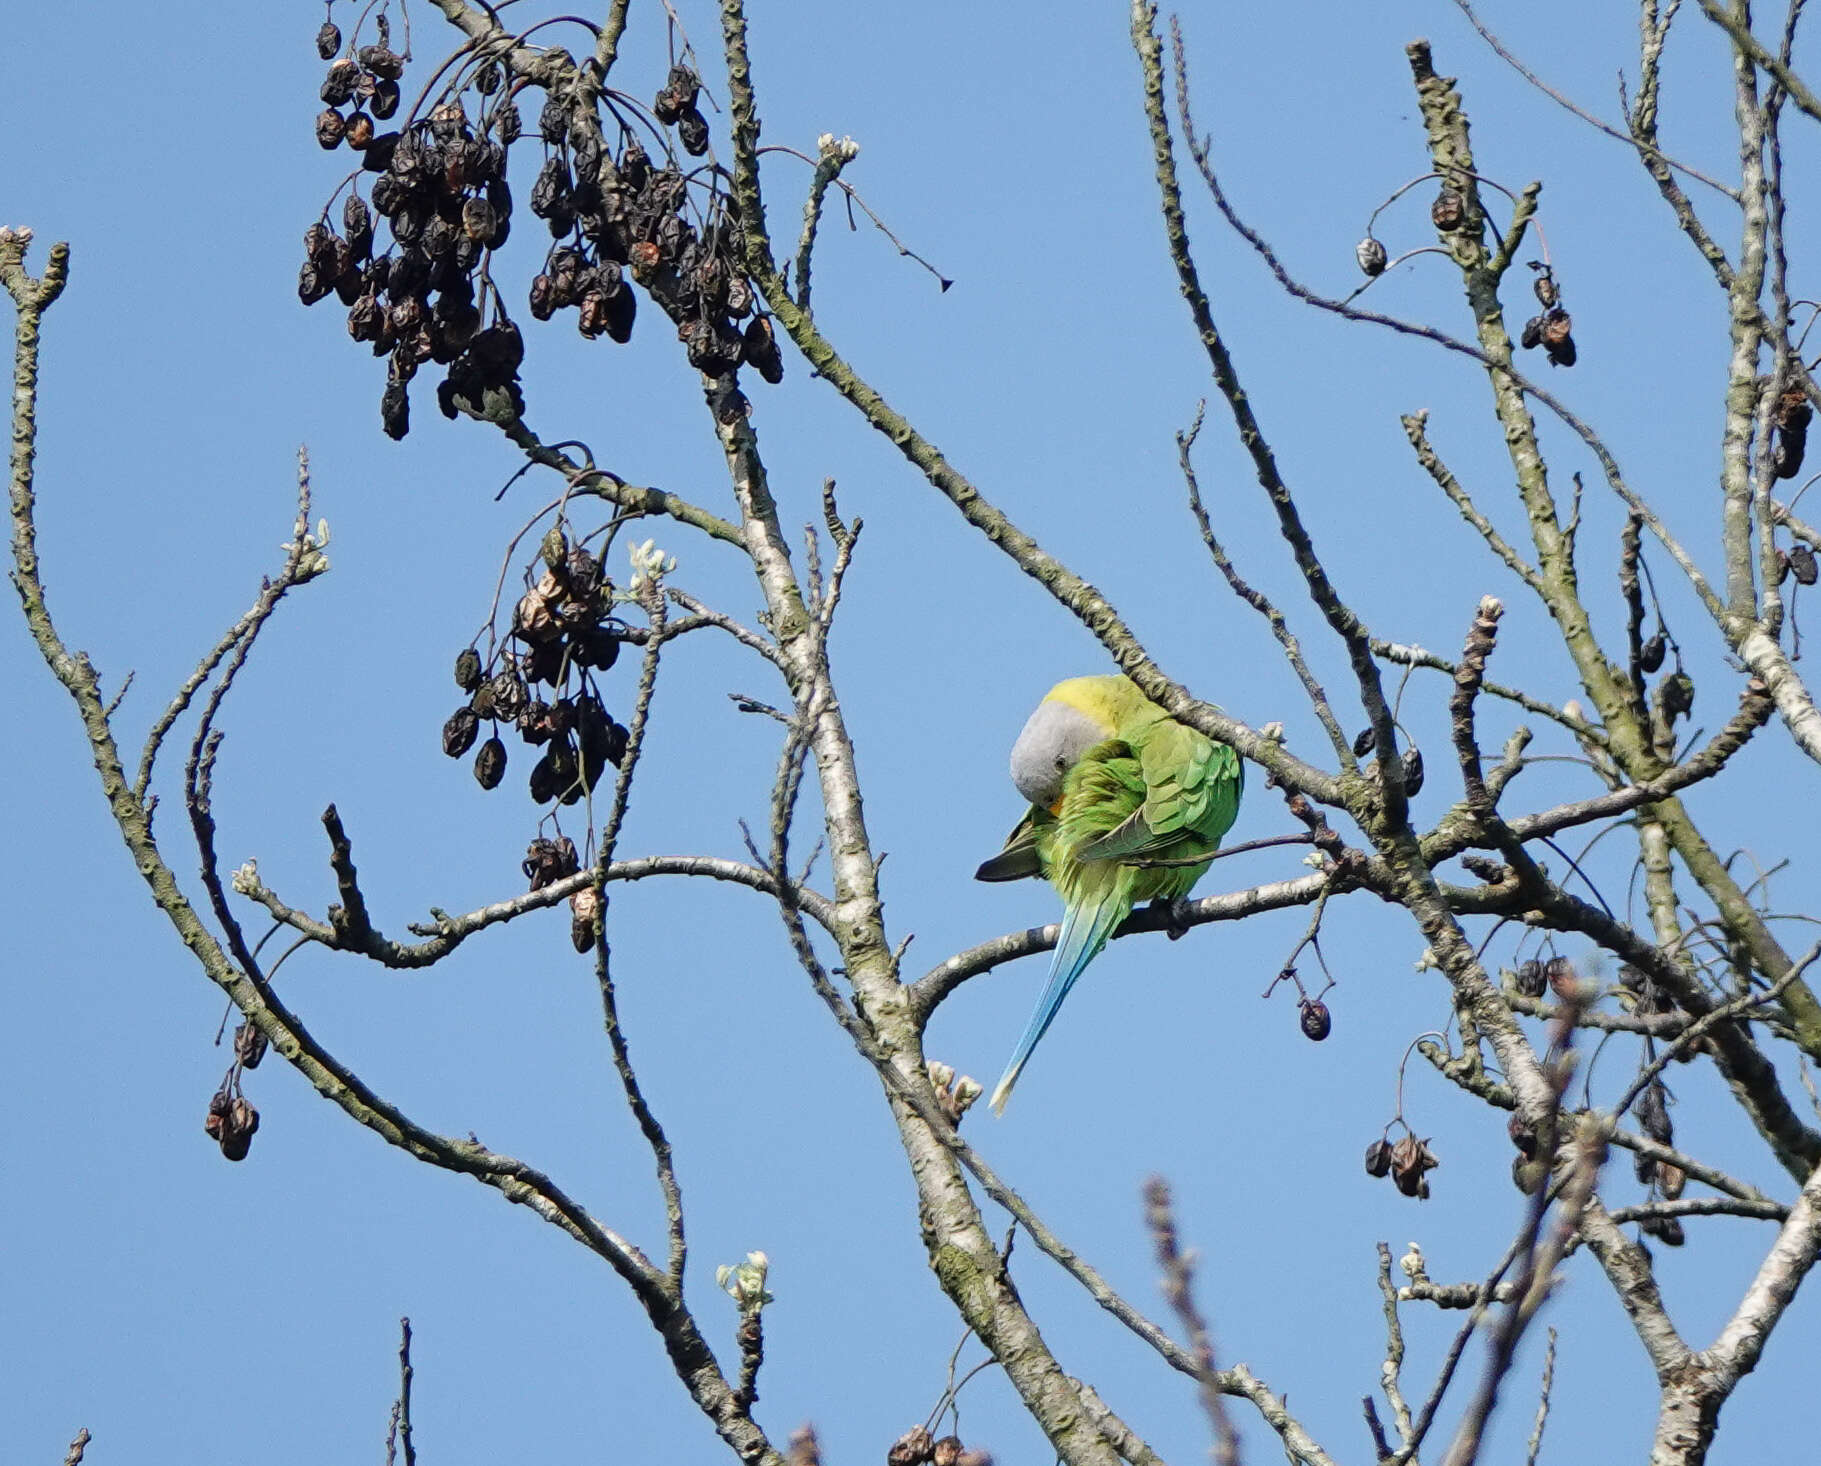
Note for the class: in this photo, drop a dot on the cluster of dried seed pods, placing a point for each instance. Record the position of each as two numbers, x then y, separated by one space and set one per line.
1407 1162
424 294
1410 760
566 634
1789 424
1552 328
917 1447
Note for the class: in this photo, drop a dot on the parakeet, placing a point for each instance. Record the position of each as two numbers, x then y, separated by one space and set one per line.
1127 805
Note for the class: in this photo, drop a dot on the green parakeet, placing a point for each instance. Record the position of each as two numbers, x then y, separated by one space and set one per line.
1127 805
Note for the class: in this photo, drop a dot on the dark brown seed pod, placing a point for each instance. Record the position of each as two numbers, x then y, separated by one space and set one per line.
318 243
1650 655
1449 211
1802 564
490 764
553 121
460 731
365 318
357 224
360 132
311 285
1557 340
328 40
508 124
1529 979
1522 1136
622 309
395 411
685 83
591 320
338 86
1412 761
666 106
692 132
946 1452
468 669
1644 1167
1317 1023
478 219
915 1447
1787 450
1533 333
759 349
1667 1230
384 102
330 128
382 61
1676 694
238 1127
543 297
1672 1180
739 298
1782 566
1653 1113
1371 256
379 153
646 256
584 918
509 694
249 1046
553 773
1363 741
1378 1159
1547 294
487 78
1411 1159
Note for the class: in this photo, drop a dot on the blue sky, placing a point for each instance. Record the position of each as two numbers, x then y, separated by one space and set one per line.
184 1309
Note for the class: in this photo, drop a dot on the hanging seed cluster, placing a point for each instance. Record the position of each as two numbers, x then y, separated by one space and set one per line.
544 691
1407 1162
1789 437
231 1120
1552 328
424 292
917 1447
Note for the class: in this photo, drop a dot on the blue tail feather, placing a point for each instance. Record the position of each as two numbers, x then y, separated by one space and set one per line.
1085 930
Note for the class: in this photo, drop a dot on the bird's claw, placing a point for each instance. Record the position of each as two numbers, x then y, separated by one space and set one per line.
1175 915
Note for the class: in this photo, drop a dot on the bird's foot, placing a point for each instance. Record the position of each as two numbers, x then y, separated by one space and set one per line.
1175 915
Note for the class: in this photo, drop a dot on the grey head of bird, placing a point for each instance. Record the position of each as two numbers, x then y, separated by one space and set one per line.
1053 740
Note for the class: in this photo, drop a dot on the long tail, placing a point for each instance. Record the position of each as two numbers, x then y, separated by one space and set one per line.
1085 930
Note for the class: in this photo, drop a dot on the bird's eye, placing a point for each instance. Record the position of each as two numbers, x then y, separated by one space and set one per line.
1061 763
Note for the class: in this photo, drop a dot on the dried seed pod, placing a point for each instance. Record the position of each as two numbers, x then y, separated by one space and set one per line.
1378 1159
460 731
553 121
330 127
382 61
338 86
594 646
1317 1023
1667 1230
1787 450
634 167
913 1448
384 102
217 1118
554 773
759 349
543 297
1363 741
1671 1181
646 257
1410 1160
1802 564
622 310
1412 761
490 763
584 918
328 40
1533 333
478 219
487 77
1653 1113
946 1452
468 669
1449 211
249 1045
1644 1167
692 131
1650 655
1676 695
360 133
508 124
380 152
312 286
549 860
448 125
237 1128
1557 342
1522 1136
739 298
1547 293
395 411
1371 256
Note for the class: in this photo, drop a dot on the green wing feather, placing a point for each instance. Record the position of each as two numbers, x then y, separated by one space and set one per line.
1025 852
1190 797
